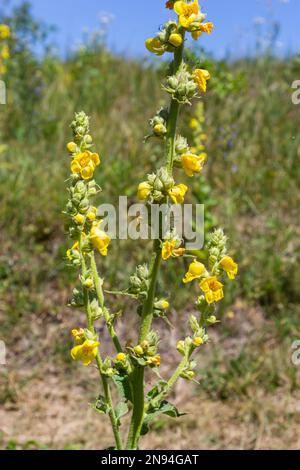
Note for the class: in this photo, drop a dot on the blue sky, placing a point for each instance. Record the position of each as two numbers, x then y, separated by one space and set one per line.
132 21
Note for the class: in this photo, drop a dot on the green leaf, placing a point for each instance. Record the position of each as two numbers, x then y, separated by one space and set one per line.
168 409
121 410
123 386
157 389
165 408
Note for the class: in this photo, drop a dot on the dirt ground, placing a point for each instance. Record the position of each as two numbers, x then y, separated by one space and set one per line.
45 398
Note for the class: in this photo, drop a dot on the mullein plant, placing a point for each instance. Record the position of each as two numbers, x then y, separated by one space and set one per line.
5 34
126 370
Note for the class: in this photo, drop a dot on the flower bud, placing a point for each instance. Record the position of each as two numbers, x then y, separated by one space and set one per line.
160 130
121 357
198 341
181 347
79 219
92 214
72 147
162 305
88 140
175 39
88 283
84 206
138 350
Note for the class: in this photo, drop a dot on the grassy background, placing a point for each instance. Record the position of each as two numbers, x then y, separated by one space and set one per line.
253 172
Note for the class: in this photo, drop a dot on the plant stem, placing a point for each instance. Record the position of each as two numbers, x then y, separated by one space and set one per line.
108 399
171 382
104 380
137 376
100 295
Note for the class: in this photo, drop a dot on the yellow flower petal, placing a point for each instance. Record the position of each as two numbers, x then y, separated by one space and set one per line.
196 271
100 240
229 266
177 193
201 76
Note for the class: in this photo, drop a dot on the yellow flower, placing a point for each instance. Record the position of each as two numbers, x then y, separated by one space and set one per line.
121 357
177 193
85 352
192 163
99 239
213 289
194 124
230 315
175 39
85 164
72 147
79 219
196 271
198 341
159 130
162 304
139 351
201 76
229 266
187 12
3 69
4 31
78 335
75 248
165 304
92 214
144 190
155 46
202 28
4 52
154 361
170 249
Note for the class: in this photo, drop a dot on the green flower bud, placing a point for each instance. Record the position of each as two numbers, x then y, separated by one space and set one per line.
181 145
181 347
84 206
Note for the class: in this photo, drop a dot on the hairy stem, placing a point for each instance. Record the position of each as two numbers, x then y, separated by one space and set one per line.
104 379
171 382
100 295
137 377
109 402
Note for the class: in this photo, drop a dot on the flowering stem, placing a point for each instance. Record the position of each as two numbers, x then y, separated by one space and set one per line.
104 380
171 382
99 291
137 376
173 112
108 399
